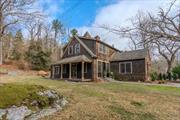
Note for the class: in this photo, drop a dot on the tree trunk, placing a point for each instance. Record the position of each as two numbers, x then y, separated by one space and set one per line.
1 55
169 66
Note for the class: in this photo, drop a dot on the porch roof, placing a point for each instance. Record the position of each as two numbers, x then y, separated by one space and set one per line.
75 59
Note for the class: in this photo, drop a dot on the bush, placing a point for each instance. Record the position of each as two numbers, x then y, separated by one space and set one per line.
111 74
169 76
176 70
164 76
154 76
175 76
22 65
160 77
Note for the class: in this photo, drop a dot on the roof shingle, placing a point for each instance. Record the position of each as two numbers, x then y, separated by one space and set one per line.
130 55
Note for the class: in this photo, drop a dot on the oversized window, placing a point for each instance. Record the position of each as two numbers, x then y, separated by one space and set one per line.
125 67
56 69
77 48
64 68
70 50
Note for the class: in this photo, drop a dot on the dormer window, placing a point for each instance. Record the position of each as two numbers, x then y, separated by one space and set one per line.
77 48
70 50
103 49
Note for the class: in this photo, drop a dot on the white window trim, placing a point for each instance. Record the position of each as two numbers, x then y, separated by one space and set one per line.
125 67
70 47
103 52
77 46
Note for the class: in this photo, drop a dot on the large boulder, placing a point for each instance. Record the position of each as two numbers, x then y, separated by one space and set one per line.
17 113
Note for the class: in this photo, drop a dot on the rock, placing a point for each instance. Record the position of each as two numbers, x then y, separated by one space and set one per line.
49 94
63 102
18 113
21 113
34 103
2 113
42 73
42 113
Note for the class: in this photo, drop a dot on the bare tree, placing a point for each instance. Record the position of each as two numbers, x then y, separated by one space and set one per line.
168 50
159 32
13 12
166 24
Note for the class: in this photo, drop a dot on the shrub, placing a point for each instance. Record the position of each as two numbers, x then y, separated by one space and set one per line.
160 77
176 70
169 76
111 74
154 76
22 65
164 76
175 76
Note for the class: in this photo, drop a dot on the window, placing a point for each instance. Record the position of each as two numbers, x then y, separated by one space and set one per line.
103 49
77 48
107 67
64 68
85 67
125 67
56 69
100 69
70 50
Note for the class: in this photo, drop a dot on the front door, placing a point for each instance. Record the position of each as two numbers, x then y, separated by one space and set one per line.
74 71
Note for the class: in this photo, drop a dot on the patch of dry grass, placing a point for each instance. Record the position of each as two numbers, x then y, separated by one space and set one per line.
110 101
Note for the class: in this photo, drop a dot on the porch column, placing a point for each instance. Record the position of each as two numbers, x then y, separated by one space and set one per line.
69 70
61 71
82 68
53 72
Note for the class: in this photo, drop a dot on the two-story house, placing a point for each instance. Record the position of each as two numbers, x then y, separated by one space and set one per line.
89 59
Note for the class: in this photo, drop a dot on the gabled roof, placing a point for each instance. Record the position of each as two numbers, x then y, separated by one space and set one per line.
74 59
86 38
82 43
130 55
87 35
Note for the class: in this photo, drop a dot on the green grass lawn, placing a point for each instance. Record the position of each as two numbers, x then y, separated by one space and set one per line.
104 101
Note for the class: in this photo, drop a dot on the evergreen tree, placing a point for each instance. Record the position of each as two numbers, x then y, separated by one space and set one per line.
74 32
18 46
39 59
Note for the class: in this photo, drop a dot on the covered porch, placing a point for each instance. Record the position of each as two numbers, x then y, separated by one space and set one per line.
78 68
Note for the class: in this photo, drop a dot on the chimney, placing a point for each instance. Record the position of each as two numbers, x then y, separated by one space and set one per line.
87 35
97 37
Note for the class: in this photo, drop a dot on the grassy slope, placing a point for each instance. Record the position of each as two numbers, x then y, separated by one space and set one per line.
15 94
104 101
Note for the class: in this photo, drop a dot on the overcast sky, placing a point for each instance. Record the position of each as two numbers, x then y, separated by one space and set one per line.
85 14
